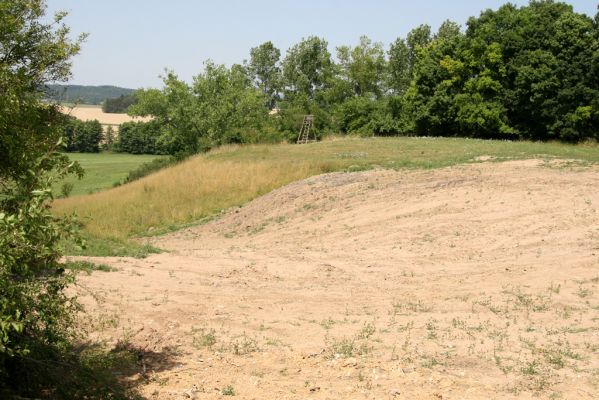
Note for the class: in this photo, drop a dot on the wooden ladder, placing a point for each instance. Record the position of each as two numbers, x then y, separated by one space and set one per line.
304 135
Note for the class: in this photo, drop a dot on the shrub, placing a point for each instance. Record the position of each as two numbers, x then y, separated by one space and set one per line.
119 104
66 189
139 138
150 167
81 136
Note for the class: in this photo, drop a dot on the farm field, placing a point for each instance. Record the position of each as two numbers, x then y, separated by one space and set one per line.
102 170
87 112
470 281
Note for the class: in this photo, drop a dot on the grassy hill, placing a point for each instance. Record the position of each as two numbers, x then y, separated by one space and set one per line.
206 184
85 94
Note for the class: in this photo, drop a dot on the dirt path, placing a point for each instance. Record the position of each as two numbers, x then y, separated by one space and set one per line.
471 282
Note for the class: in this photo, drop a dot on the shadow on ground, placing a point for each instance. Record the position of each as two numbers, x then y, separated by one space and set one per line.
89 371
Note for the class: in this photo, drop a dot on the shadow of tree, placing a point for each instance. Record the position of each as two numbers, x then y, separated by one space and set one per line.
88 371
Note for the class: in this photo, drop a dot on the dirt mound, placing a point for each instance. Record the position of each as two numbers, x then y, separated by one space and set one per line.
477 281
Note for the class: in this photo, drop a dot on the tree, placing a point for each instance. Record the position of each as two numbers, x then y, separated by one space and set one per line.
81 136
35 313
417 39
219 107
364 67
400 69
265 71
403 55
109 139
307 68
448 31
119 104
173 109
139 138
528 73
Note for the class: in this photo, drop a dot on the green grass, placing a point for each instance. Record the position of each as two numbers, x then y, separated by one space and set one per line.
88 267
102 170
202 186
406 152
109 247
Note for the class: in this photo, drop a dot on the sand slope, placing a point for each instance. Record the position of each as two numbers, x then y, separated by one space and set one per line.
470 282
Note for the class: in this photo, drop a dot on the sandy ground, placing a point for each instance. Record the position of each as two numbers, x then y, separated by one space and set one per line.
471 282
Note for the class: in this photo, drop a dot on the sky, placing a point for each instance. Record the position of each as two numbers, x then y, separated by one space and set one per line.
132 42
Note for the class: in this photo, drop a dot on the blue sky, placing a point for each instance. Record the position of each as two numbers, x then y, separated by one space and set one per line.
131 42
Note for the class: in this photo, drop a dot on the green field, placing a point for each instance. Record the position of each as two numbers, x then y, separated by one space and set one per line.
102 170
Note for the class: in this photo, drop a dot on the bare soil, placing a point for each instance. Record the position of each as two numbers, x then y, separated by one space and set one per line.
471 282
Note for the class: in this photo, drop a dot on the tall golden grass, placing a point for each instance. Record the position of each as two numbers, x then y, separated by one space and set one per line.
187 192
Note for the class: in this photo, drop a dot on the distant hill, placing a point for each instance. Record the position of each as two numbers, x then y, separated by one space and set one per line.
85 94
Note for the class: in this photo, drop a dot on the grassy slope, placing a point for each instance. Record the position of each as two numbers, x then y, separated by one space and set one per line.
205 184
102 170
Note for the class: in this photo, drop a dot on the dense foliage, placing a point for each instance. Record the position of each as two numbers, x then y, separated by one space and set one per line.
514 73
119 104
35 313
81 136
220 106
139 138
84 94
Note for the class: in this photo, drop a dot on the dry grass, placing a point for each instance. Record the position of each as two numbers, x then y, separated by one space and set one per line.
190 191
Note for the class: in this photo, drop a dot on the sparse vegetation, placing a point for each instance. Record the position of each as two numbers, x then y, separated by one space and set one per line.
203 337
88 267
228 390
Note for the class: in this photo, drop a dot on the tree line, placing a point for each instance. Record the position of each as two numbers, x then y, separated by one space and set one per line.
89 137
83 94
119 104
528 72
81 136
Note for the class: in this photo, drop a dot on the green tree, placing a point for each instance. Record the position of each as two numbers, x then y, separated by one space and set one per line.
364 67
448 30
400 69
219 107
265 71
81 136
417 39
119 104
35 313
403 55
139 138
109 139
173 108
528 72
307 68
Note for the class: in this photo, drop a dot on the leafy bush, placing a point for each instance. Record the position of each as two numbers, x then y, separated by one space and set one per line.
66 189
36 314
140 138
150 167
119 104
81 136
